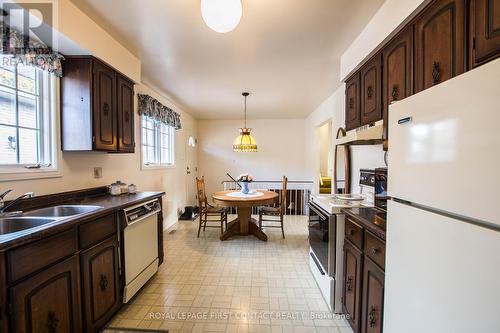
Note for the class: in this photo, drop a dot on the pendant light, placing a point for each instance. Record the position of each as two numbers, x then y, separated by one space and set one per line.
245 143
221 15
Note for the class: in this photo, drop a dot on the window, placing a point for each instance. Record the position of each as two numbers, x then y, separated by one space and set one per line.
27 133
157 143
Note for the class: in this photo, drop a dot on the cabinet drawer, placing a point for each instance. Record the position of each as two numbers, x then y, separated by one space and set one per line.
34 256
96 231
375 249
354 233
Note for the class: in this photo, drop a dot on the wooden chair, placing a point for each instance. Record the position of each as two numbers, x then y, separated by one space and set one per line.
207 210
274 214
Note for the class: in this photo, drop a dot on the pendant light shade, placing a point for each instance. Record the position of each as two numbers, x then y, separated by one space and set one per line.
221 15
245 143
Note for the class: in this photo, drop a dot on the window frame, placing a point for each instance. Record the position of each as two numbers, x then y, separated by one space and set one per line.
157 145
49 129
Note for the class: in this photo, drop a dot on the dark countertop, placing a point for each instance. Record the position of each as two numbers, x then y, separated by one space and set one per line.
108 203
366 217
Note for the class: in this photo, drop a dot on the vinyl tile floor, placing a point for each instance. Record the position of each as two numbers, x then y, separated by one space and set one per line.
239 285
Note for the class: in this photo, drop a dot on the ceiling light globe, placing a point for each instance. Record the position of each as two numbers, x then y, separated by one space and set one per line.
221 15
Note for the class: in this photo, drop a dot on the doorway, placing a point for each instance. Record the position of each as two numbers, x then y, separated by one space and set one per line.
325 158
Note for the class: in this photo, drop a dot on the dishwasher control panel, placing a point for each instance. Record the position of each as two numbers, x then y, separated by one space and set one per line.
135 213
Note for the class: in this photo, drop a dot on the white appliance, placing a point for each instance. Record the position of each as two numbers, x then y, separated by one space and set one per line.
140 243
443 224
326 238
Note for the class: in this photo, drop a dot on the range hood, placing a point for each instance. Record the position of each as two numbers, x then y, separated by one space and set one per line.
366 135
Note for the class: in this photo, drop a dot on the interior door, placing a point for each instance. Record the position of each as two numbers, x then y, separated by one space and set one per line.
191 170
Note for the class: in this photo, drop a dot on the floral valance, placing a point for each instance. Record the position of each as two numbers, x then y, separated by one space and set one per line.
29 51
151 107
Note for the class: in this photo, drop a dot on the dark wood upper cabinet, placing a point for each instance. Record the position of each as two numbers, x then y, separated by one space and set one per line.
485 26
125 98
351 295
49 301
97 107
100 281
352 103
397 72
440 43
371 96
373 298
104 110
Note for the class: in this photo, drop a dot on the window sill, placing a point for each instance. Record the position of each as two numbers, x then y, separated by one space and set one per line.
157 166
11 175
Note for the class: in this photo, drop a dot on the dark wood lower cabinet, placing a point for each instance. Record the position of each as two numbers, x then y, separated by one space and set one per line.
100 281
351 296
49 301
373 298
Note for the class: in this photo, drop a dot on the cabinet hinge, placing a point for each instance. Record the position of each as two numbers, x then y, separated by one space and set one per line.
93 138
474 43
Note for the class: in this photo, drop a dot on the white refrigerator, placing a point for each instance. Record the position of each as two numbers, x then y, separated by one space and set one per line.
443 227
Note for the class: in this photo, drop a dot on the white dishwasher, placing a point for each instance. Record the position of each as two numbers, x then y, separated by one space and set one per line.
140 244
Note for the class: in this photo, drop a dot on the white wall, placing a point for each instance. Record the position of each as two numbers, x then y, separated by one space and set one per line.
281 151
325 142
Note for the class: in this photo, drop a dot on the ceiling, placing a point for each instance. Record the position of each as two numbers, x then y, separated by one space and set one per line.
286 53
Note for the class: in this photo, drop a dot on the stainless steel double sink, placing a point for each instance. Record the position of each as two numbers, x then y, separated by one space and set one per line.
42 216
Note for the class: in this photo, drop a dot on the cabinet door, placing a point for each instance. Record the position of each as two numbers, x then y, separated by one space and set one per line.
440 43
125 99
48 301
352 104
351 297
373 298
486 30
100 284
371 97
397 70
104 110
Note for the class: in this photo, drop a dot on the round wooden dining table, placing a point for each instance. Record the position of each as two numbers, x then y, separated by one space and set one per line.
244 224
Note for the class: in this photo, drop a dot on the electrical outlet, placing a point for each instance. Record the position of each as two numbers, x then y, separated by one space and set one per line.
97 172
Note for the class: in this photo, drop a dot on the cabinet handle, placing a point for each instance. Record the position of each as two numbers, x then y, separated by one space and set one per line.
369 92
103 283
372 316
374 250
52 322
105 108
349 284
351 103
436 72
395 93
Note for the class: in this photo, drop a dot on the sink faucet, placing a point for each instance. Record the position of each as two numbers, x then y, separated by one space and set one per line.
3 206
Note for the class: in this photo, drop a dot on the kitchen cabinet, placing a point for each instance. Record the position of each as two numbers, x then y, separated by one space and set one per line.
351 295
48 301
397 72
373 297
364 278
485 27
352 103
96 107
100 282
371 93
440 43
125 98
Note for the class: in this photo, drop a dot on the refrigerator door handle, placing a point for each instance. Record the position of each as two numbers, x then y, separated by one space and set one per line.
405 120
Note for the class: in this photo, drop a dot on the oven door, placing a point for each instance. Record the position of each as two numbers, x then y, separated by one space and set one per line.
318 235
